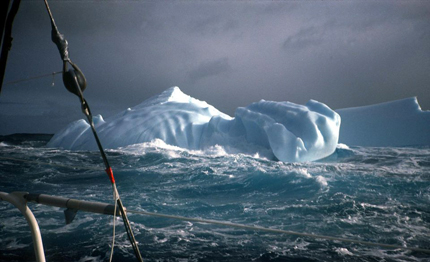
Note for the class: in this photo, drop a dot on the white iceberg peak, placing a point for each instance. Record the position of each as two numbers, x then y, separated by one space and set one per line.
278 130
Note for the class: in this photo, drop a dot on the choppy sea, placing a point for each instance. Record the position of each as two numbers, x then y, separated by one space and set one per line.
371 194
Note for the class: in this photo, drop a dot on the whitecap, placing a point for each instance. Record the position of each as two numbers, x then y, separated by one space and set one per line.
343 251
342 146
15 244
322 181
303 172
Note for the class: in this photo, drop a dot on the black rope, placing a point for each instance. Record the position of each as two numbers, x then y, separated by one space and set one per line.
74 80
32 78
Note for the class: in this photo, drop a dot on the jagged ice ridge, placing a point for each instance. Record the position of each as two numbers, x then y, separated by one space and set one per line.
276 130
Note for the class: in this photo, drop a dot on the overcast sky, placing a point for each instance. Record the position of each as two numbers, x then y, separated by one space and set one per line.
228 53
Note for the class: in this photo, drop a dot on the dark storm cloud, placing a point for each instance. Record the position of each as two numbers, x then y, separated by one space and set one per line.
303 39
214 24
228 53
210 68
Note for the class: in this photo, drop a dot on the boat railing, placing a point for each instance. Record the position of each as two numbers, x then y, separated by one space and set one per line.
20 200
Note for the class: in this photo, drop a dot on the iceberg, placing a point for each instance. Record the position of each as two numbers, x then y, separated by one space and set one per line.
281 131
394 123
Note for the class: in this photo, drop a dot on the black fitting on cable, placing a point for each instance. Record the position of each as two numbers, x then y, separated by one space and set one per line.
60 42
72 76
74 80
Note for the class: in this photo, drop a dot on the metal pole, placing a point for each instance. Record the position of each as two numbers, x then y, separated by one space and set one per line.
7 40
18 200
87 206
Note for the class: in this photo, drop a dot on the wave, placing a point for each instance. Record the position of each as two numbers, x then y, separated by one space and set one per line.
366 193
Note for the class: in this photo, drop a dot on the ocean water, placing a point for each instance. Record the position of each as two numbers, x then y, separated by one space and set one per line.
371 194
